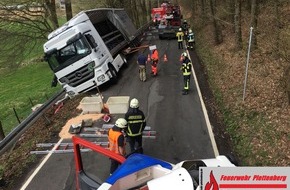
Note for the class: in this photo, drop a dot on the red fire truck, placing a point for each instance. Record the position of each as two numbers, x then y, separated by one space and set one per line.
170 20
157 14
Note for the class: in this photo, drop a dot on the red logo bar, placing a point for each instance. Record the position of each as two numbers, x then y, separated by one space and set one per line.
259 186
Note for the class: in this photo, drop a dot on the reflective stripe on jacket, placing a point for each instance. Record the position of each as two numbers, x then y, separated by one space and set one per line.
186 67
179 36
136 122
113 140
191 37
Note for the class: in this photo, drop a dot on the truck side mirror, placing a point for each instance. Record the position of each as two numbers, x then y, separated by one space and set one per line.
91 41
54 81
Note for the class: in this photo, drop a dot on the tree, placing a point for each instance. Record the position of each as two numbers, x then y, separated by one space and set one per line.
278 24
143 7
68 10
254 21
51 12
238 31
24 27
217 31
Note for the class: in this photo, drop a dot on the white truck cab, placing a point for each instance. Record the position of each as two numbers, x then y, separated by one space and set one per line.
85 52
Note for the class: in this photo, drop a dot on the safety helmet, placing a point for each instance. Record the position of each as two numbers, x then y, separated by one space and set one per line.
184 21
121 123
134 103
190 31
180 29
184 54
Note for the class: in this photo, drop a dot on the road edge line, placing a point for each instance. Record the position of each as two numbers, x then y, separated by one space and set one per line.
209 128
25 185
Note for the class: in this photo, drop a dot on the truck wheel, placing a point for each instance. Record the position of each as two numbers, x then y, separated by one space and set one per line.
125 61
113 73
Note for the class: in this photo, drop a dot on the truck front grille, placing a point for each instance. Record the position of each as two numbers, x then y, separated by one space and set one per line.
79 76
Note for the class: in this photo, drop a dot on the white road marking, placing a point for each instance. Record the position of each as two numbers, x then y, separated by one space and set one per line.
211 135
40 166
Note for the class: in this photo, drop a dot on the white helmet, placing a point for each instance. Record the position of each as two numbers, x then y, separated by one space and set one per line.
121 123
184 54
134 103
190 31
180 29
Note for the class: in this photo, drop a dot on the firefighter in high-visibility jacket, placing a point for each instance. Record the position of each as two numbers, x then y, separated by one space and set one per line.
180 36
155 59
186 72
117 141
136 125
190 39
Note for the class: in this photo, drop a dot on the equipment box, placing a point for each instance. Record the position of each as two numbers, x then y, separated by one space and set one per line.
118 104
92 104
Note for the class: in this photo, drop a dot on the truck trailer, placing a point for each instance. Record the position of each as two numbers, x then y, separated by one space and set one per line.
87 50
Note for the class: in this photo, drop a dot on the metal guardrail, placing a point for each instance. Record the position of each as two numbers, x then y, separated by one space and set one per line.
16 133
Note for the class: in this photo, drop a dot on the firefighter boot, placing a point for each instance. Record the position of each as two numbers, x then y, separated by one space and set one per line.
185 92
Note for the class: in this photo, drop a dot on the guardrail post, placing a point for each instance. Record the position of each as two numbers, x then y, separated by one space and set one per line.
16 116
2 135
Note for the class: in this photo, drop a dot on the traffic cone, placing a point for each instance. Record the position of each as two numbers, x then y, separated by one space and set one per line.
148 58
165 58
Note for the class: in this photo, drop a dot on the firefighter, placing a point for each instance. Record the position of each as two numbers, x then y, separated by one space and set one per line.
186 72
190 39
136 125
180 36
185 27
154 63
117 141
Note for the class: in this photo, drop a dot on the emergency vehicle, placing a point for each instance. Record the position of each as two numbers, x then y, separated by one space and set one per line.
170 23
142 172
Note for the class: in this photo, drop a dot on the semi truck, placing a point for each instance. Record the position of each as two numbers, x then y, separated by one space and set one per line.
139 171
87 50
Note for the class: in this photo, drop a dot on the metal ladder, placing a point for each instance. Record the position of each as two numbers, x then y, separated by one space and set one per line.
62 148
93 132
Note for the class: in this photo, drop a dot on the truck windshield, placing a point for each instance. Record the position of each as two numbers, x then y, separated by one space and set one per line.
72 52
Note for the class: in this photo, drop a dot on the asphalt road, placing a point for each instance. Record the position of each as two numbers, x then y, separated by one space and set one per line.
178 119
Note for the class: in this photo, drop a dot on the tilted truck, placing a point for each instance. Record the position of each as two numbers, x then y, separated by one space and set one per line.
86 51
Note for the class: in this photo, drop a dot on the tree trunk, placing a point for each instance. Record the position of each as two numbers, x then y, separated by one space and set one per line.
232 10
144 16
248 5
238 31
135 13
68 10
277 31
254 22
203 14
217 32
50 4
